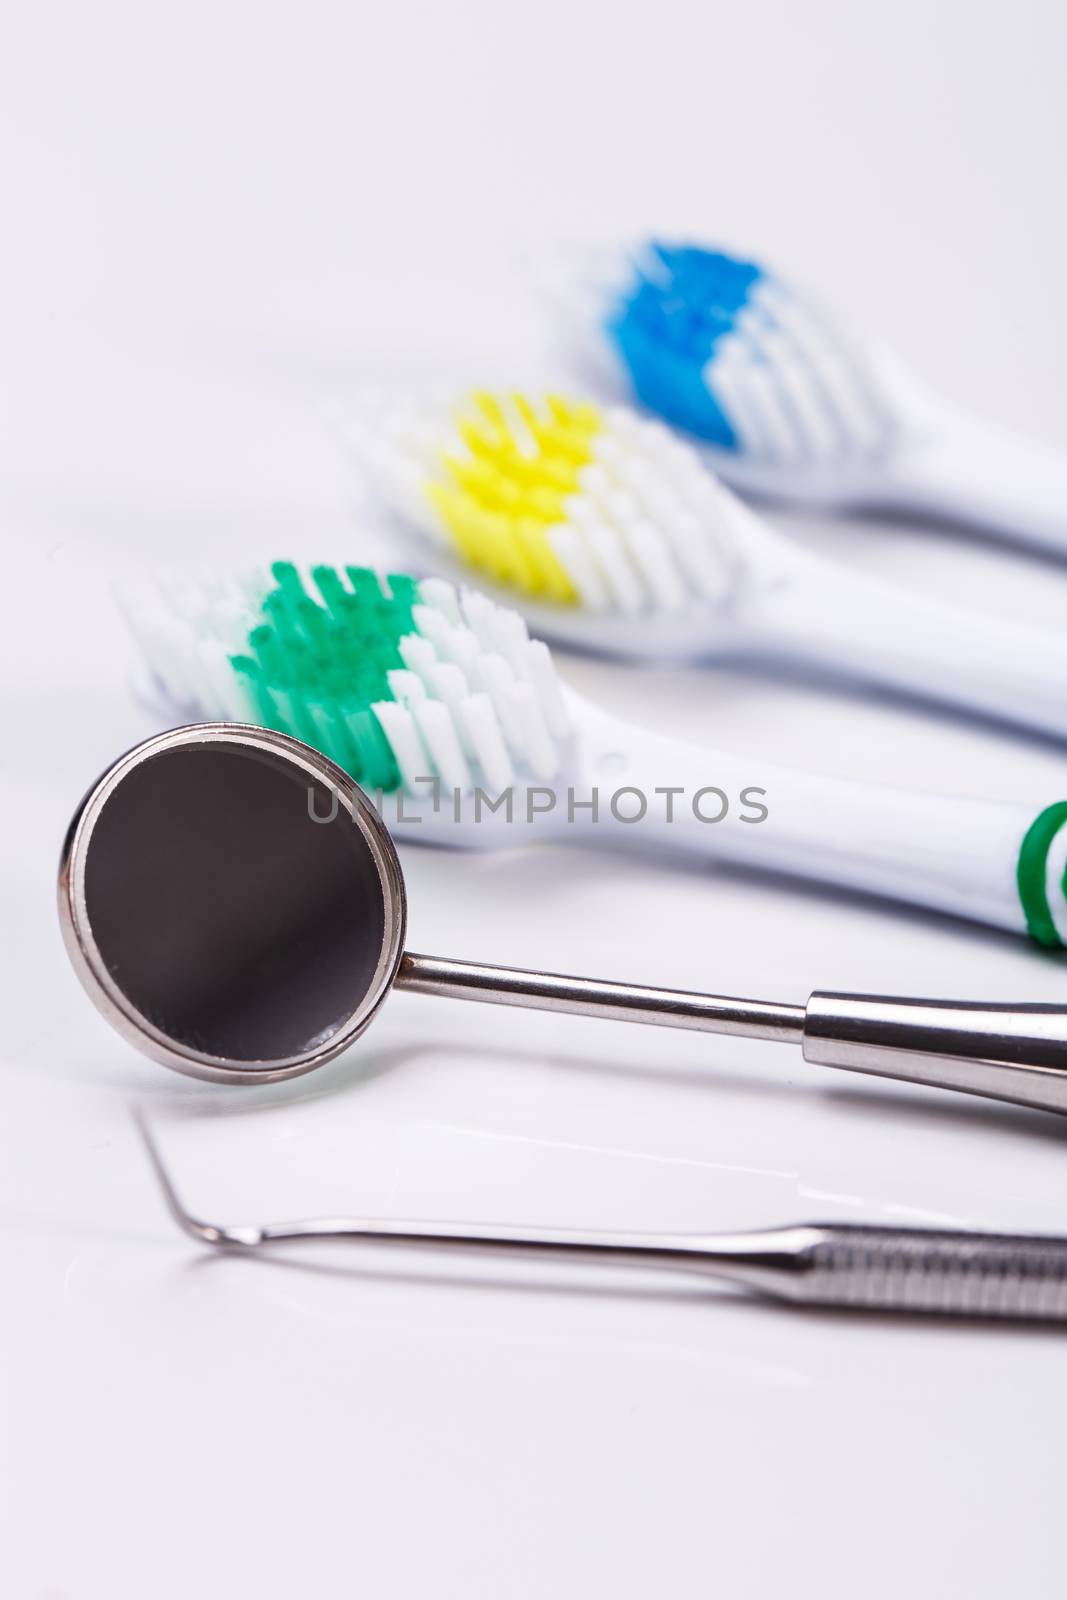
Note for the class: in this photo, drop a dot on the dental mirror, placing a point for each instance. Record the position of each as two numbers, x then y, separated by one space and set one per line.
234 905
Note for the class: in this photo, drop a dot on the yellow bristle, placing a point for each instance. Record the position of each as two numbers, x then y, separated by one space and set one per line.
553 580
495 550
477 478
509 483
484 537
492 410
526 410
574 445
545 503
580 414
562 475
485 443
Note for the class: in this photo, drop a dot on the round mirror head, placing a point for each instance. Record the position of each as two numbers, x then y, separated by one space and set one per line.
232 902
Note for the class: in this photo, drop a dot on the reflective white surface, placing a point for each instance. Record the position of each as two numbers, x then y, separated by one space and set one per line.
220 220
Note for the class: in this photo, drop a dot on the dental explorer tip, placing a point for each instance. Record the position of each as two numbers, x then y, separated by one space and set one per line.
203 1232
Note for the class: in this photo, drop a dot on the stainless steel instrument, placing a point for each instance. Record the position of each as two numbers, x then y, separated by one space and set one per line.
813 1264
235 906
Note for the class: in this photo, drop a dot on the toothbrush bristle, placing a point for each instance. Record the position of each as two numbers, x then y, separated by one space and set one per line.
398 681
559 500
726 351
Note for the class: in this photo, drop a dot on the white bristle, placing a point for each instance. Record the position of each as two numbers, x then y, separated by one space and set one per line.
483 696
594 481
511 637
412 757
766 401
483 730
618 506
538 747
573 553
418 655
814 421
708 567
186 631
461 647
447 684
496 678
442 741
227 703
657 566
724 376
441 596
615 566
432 624
835 370
479 615
406 687
543 676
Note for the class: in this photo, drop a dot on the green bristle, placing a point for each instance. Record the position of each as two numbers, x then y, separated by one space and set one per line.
270 656
315 666
287 578
364 581
300 714
379 768
261 703
282 609
344 747
405 592
404 589
314 624
329 735
337 599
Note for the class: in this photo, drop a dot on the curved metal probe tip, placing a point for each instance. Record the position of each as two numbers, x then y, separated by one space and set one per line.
552 1243
205 1232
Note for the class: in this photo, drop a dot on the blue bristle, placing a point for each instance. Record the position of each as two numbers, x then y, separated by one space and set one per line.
666 326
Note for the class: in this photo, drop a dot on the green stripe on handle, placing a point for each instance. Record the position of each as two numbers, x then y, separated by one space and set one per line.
1031 873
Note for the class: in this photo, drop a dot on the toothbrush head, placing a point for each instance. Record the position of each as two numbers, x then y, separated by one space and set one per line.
561 502
737 358
400 682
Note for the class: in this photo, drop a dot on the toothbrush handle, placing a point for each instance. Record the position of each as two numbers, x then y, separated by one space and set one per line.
989 478
915 643
905 1269
955 855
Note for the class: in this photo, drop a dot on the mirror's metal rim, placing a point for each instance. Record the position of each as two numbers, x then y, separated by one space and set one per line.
89 965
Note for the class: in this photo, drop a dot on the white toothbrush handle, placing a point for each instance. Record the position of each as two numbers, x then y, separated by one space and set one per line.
985 476
913 642
955 855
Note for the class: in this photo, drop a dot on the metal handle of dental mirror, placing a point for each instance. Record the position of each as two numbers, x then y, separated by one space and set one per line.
230 932
1002 1052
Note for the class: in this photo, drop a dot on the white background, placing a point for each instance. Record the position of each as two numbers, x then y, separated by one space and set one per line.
217 217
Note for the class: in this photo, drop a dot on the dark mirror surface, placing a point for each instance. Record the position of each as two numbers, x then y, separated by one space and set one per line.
230 919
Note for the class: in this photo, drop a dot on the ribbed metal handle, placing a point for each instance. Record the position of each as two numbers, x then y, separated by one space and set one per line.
960 1274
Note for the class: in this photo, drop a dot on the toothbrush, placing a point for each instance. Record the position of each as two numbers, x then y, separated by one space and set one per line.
444 703
612 535
791 405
